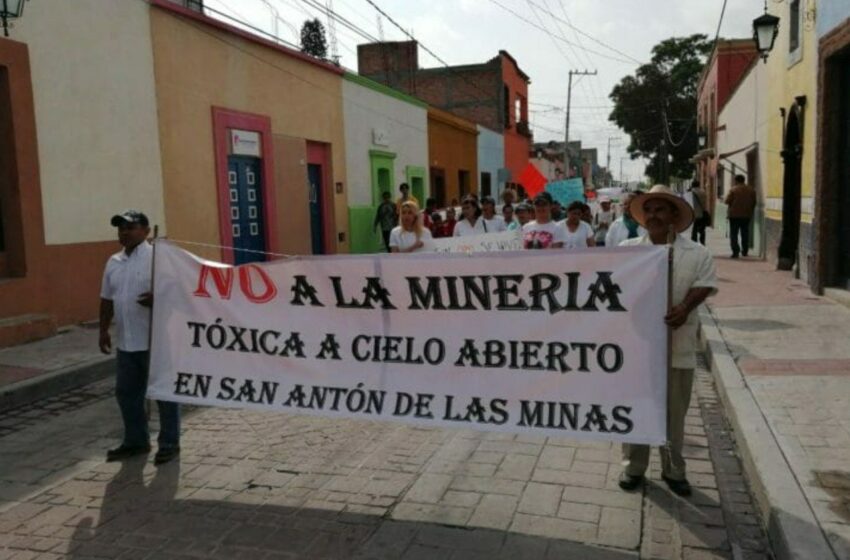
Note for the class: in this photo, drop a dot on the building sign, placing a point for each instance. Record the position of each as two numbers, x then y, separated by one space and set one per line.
245 143
380 137
553 343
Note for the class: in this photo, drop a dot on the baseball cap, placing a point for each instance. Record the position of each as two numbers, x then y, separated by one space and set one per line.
129 217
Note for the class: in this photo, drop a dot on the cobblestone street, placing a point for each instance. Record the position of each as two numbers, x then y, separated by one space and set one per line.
259 485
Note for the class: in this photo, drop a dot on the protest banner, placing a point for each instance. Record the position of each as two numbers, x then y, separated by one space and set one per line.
566 191
570 344
486 242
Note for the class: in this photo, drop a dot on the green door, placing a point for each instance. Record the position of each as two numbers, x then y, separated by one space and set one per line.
416 180
383 171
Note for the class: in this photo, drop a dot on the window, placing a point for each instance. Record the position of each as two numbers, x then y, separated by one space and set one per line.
794 26
517 110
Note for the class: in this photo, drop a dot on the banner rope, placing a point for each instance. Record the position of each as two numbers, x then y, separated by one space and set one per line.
213 246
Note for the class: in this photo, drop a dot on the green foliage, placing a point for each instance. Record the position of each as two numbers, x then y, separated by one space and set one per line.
313 41
666 86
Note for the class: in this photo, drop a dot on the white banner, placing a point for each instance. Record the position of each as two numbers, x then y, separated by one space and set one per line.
486 242
555 343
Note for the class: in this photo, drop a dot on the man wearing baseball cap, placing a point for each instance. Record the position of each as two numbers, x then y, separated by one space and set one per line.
665 216
125 294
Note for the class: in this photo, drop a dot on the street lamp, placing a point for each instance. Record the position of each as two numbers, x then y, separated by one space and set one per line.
702 139
765 31
10 9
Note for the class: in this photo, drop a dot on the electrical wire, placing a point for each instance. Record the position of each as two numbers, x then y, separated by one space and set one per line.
531 23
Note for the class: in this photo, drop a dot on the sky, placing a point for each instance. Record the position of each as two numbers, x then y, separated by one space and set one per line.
608 36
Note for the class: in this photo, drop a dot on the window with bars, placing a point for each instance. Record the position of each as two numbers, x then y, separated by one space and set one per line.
794 26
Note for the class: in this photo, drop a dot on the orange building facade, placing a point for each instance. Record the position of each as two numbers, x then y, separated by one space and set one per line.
452 156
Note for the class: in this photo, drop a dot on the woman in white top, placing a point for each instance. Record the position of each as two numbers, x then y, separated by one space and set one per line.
410 236
579 232
543 233
495 223
471 222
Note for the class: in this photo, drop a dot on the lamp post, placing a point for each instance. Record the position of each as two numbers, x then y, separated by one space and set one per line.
10 9
765 31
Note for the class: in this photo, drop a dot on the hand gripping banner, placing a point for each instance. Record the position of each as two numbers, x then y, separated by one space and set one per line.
570 344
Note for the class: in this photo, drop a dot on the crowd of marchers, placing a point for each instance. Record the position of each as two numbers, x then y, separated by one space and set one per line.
542 222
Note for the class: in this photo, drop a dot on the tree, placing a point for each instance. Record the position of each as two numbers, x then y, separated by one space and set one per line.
657 106
313 40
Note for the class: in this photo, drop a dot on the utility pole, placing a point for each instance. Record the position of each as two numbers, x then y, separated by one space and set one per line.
608 165
567 166
665 163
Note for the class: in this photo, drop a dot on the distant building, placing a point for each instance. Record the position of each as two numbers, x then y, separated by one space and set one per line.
725 68
493 94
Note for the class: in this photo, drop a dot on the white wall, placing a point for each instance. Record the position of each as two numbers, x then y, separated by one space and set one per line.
491 157
745 118
406 127
95 112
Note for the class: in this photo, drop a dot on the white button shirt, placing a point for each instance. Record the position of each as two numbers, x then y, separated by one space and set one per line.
619 232
462 228
693 267
125 279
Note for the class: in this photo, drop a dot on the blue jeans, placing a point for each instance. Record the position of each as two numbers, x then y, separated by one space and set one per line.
130 387
739 226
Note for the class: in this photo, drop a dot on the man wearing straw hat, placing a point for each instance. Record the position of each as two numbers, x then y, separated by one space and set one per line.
664 215
126 295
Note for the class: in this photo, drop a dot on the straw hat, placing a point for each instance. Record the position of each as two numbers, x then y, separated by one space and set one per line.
663 192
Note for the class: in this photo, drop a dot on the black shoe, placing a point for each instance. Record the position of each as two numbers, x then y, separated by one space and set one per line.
734 256
678 487
126 451
166 454
629 482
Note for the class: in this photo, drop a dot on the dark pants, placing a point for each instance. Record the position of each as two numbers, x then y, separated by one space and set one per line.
386 233
130 387
698 230
742 226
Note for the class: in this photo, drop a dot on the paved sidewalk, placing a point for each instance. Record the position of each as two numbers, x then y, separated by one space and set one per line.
793 350
262 486
46 367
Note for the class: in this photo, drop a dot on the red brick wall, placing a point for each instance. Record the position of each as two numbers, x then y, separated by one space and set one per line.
394 64
517 146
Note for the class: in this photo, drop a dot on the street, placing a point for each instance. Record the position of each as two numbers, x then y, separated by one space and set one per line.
273 485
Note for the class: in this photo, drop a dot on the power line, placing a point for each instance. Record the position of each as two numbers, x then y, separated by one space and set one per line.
719 23
592 38
531 23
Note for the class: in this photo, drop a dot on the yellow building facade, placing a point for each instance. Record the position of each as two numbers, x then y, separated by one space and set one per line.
790 153
252 141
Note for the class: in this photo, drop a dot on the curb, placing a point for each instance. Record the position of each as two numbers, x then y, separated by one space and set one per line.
789 520
55 382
